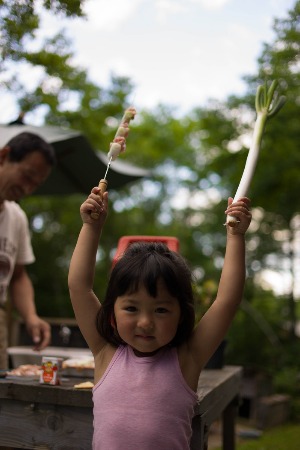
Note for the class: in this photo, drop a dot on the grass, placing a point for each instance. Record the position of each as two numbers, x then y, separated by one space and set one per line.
285 437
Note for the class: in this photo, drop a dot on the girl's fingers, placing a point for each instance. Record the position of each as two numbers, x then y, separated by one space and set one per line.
240 205
243 201
95 203
92 205
95 190
95 195
230 200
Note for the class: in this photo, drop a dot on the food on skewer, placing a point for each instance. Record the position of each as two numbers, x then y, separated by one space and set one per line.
116 147
123 129
119 143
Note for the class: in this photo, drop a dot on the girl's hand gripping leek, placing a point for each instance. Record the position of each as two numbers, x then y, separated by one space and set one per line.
266 107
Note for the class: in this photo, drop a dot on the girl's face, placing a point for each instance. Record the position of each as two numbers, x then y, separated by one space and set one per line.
147 323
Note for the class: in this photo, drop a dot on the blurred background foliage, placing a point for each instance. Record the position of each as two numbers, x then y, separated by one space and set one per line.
196 160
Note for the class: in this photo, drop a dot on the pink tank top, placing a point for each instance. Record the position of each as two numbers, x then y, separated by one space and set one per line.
143 403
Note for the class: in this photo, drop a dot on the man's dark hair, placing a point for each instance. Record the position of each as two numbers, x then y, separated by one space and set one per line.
24 143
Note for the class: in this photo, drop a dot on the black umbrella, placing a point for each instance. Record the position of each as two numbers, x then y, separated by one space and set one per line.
78 167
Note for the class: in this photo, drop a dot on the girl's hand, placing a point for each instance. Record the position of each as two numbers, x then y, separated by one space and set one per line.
95 203
241 210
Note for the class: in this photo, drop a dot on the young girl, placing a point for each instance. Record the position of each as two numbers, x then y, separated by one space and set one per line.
148 353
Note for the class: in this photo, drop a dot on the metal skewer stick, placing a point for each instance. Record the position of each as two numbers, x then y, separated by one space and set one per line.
108 166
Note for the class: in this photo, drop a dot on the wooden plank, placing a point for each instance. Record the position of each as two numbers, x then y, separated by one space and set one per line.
200 434
228 425
214 386
33 391
45 427
216 389
43 417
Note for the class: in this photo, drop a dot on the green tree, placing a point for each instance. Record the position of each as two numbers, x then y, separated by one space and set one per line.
55 221
196 160
275 186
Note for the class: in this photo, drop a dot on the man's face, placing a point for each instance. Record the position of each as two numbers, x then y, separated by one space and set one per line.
18 179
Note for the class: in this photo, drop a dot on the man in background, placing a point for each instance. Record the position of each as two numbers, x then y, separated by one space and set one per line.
25 163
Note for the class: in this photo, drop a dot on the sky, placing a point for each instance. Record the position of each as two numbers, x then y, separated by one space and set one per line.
176 52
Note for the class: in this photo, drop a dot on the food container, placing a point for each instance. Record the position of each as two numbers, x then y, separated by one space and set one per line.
26 355
51 370
82 367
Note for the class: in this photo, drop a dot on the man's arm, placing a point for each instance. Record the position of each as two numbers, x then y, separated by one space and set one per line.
22 297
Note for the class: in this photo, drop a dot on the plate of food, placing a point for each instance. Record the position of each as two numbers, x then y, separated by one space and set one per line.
79 367
25 371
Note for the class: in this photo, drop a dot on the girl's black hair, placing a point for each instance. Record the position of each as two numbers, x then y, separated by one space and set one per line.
144 264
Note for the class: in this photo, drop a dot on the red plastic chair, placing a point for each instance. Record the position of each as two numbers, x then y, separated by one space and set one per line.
171 242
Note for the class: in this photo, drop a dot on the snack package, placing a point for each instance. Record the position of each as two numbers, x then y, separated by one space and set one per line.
51 370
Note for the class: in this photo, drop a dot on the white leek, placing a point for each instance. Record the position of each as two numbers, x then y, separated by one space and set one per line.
266 107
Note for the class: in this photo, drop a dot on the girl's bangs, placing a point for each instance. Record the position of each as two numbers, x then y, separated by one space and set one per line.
146 272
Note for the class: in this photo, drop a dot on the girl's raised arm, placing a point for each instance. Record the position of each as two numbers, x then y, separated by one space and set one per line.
82 268
214 325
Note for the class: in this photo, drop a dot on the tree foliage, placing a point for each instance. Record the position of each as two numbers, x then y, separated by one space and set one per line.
196 161
276 183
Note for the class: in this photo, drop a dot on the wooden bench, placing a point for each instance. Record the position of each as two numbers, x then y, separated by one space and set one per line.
42 417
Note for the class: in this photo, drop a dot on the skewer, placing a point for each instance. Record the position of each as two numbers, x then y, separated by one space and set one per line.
108 166
116 147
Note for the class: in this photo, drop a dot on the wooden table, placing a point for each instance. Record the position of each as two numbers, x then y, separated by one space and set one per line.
218 392
42 417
